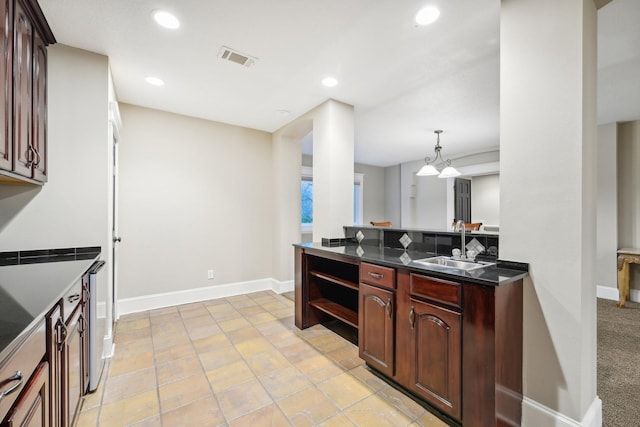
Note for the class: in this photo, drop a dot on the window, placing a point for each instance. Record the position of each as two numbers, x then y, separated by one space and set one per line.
306 192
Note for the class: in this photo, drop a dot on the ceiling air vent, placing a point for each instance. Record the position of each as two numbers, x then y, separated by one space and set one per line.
228 54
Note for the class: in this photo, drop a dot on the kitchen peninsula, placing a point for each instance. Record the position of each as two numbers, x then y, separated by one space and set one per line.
451 338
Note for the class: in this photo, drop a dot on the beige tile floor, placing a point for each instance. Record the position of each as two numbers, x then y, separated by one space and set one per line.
240 361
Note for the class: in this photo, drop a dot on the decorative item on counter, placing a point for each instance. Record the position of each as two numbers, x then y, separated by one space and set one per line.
359 236
456 253
405 258
334 241
476 246
405 241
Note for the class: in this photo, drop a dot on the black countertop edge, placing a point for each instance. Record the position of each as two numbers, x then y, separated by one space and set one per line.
48 255
494 275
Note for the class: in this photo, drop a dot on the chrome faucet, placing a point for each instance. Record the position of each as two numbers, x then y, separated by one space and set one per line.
461 228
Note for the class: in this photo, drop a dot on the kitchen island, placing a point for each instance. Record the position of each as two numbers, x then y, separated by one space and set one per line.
450 338
43 342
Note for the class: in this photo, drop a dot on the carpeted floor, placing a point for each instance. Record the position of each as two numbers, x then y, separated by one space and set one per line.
619 363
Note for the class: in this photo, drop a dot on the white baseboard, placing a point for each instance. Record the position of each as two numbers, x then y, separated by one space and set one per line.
151 302
607 292
535 414
282 287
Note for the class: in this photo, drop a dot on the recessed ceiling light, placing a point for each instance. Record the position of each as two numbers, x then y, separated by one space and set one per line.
154 81
329 81
427 15
166 19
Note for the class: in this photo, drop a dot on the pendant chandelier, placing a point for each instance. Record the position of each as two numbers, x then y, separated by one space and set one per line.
429 169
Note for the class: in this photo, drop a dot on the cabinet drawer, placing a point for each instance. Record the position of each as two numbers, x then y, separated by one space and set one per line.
71 299
25 361
377 275
434 289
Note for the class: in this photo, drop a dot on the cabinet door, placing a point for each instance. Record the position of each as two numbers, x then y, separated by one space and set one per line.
32 408
376 326
56 334
73 377
22 91
6 87
39 134
436 360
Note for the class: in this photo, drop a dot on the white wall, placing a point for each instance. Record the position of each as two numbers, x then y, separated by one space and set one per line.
547 105
373 197
485 199
194 195
607 222
392 199
70 210
629 191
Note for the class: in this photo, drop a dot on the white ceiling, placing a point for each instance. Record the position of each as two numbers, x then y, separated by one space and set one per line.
404 81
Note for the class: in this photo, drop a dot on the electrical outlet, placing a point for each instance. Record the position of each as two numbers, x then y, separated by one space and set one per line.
209 274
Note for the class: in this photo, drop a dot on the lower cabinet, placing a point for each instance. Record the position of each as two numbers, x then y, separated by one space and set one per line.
435 364
73 368
32 407
67 350
376 328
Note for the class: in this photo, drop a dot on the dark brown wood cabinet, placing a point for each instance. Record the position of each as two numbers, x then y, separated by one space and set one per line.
455 345
24 40
32 407
376 337
6 88
67 354
435 364
73 367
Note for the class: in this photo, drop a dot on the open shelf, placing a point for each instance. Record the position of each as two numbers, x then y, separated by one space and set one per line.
340 312
334 279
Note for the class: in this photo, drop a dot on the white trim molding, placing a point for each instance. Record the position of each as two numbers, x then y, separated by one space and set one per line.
535 414
152 302
607 292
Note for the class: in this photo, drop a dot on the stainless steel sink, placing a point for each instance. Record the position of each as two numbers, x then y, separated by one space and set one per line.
459 264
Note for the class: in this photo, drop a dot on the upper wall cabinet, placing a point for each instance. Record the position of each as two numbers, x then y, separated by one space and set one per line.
24 38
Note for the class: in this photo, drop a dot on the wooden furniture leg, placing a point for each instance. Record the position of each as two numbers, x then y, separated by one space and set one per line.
623 280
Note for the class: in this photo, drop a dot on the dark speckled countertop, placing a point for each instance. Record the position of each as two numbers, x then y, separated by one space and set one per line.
29 290
501 273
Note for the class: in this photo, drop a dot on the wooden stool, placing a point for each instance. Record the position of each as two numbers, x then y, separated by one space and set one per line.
626 256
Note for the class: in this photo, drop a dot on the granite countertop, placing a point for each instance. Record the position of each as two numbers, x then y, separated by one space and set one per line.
501 273
28 291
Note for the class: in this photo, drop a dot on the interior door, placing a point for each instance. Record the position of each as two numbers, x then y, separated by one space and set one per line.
462 199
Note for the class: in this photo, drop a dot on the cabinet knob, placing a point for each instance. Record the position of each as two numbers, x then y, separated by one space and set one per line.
15 377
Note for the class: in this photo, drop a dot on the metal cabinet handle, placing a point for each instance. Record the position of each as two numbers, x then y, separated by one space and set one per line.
389 308
36 161
74 297
62 335
30 156
117 239
15 377
412 317
376 275
82 324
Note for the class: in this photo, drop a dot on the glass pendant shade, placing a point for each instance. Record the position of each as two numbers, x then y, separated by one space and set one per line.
428 170
449 172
